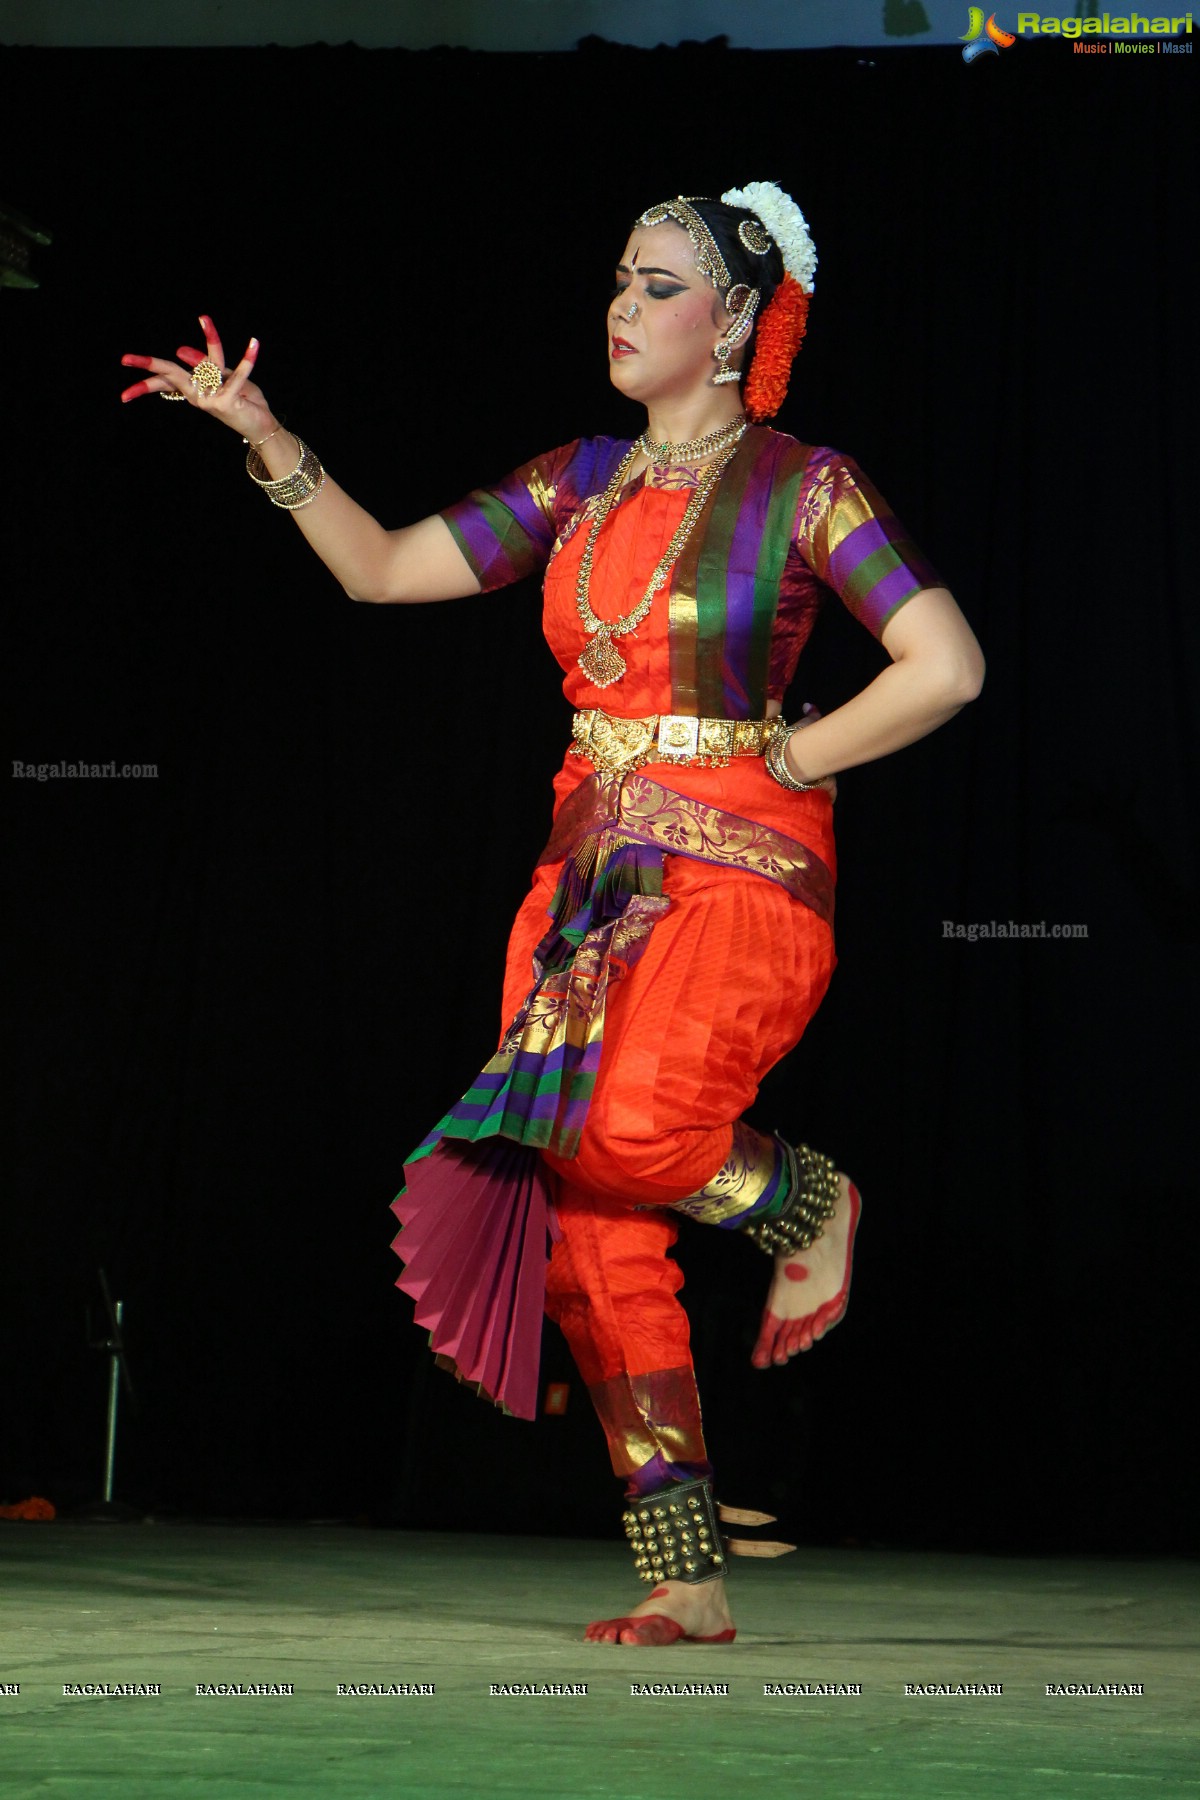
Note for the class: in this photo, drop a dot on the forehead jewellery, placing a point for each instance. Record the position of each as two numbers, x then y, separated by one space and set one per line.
600 660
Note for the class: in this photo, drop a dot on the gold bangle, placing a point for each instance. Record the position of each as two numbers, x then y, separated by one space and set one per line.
775 760
266 479
300 488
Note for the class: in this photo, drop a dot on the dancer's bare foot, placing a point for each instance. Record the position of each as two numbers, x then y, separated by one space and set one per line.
810 1289
675 1610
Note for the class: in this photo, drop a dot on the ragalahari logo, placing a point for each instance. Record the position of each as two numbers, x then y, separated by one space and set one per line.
983 40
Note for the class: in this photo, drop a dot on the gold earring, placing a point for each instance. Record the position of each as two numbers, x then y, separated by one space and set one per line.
723 350
742 302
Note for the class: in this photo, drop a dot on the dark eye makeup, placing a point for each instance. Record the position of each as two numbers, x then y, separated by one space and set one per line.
654 292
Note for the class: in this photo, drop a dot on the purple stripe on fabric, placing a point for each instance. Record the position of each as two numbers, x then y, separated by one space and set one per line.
887 594
739 578
532 1106
659 1473
855 547
476 532
592 465
737 699
510 1102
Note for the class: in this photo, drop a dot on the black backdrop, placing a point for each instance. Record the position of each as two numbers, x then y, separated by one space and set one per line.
246 988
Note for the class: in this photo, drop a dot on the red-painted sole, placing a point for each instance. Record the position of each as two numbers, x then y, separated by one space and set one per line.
673 1634
833 1311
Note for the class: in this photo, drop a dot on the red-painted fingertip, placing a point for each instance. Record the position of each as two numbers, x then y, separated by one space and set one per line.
252 348
186 354
206 322
135 362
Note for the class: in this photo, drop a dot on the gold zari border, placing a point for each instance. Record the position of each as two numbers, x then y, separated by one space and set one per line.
643 811
655 1414
739 1184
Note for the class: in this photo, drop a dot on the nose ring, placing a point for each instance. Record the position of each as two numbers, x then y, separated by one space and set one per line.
633 312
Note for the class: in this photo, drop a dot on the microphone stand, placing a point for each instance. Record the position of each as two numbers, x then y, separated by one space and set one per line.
118 1374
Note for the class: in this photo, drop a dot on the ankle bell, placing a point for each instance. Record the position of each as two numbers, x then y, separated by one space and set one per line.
811 1201
675 1534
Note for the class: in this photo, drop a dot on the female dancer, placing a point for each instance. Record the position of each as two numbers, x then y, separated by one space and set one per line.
677 937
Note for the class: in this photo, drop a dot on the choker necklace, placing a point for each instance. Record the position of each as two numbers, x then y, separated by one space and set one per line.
694 448
600 659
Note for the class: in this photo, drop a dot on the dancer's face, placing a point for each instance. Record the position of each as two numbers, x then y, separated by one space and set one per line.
666 350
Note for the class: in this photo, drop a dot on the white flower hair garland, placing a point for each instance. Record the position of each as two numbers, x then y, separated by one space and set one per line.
786 224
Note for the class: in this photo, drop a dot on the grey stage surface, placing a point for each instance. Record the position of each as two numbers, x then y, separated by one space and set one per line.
318 1606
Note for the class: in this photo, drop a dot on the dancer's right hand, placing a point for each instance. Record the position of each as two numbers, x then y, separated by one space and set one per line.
236 403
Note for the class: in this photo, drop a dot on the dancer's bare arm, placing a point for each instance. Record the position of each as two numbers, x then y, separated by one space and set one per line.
417 562
936 668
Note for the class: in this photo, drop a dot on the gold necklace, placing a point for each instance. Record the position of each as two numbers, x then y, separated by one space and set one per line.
694 448
600 659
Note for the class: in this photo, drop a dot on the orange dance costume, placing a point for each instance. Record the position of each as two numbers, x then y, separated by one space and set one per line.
676 939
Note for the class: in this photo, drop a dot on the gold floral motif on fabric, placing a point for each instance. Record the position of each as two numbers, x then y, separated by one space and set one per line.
645 812
739 1184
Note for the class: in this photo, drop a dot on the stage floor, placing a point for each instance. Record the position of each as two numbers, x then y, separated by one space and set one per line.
312 1607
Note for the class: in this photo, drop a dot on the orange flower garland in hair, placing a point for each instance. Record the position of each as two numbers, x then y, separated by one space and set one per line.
782 325
781 329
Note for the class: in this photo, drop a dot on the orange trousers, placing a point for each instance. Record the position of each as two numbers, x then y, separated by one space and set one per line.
725 987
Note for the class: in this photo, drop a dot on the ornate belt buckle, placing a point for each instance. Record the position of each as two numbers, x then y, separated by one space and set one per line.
678 736
616 744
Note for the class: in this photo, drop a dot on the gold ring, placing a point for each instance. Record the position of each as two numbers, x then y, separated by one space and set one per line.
171 395
207 377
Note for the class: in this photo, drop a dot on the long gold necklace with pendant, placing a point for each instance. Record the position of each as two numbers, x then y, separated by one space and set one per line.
600 660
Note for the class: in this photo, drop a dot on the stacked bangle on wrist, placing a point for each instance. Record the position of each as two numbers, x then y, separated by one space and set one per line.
775 759
300 488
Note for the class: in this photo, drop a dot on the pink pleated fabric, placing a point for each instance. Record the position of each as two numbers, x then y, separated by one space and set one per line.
475 1220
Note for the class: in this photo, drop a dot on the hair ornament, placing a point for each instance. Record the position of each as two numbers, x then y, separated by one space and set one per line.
753 237
781 216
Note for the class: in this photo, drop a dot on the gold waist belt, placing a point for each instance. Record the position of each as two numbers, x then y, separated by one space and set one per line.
618 746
